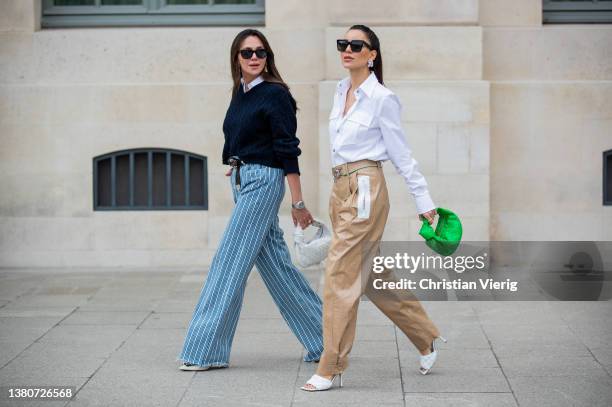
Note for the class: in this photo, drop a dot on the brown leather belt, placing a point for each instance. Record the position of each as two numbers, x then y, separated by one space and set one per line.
349 168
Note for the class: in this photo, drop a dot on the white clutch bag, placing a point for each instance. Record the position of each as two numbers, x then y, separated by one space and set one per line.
313 251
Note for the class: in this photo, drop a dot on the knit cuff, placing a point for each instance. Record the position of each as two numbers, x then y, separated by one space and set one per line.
290 166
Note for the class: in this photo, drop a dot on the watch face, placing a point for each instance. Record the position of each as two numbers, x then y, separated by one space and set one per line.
299 205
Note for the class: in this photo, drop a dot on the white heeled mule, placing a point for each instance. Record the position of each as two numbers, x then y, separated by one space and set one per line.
427 361
319 383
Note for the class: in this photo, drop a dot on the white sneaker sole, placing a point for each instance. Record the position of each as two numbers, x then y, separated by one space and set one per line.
194 368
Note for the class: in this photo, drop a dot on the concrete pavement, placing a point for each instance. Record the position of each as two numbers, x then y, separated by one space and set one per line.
115 334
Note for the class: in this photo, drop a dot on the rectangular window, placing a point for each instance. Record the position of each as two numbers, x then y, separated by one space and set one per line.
577 11
98 13
150 179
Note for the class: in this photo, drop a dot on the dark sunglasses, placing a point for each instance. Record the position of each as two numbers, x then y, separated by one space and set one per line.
356 45
248 53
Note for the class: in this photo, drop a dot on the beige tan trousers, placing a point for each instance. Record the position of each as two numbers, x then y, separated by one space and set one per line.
358 222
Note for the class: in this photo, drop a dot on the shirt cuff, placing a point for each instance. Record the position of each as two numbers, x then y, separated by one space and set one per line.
424 203
290 166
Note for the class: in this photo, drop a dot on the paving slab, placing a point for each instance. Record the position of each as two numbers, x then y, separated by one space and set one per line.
26 311
9 350
460 400
541 349
453 358
127 395
470 380
43 363
592 391
116 335
97 318
359 389
50 301
25 329
460 335
521 365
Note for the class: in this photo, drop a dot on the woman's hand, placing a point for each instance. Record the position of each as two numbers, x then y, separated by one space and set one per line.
429 215
301 217
229 172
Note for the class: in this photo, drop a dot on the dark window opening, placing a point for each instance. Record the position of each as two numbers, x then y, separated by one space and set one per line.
113 13
577 11
149 179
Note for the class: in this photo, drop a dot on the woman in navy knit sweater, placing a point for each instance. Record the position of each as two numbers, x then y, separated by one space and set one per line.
262 149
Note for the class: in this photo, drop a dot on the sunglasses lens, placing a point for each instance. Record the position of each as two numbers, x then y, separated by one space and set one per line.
248 53
356 45
341 45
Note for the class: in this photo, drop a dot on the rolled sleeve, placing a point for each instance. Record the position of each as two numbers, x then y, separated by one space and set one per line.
283 124
400 153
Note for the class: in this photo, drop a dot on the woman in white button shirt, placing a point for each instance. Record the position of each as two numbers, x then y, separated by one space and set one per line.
365 129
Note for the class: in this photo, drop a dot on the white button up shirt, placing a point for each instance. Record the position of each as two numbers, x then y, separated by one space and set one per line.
372 130
248 86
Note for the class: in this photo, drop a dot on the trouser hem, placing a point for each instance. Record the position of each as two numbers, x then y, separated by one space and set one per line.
204 364
313 357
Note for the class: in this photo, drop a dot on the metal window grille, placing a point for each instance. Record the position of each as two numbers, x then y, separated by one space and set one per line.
100 13
150 179
577 11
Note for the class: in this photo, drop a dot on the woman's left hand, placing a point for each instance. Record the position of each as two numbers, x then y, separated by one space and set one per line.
429 215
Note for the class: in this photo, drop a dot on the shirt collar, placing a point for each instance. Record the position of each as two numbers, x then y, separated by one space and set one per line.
248 86
366 87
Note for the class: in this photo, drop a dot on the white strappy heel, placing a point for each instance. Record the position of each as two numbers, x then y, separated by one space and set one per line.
319 383
427 361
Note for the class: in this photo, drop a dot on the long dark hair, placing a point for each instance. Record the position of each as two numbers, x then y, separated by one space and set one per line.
375 43
269 74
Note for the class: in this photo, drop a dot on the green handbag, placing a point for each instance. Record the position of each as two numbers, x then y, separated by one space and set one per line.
447 235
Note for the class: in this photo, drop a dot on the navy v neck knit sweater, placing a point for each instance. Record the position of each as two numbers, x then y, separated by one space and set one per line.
260 127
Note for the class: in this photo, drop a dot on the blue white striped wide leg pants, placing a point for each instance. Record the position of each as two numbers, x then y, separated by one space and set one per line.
252 237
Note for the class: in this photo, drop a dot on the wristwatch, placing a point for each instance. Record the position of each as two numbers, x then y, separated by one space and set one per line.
298 205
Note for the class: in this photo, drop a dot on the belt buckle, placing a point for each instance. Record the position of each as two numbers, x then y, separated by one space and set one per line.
337 172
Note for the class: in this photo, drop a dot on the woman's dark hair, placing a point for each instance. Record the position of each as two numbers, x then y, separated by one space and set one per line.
269 74
375 43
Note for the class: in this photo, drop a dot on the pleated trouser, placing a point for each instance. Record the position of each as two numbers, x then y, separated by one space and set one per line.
359 208
252 237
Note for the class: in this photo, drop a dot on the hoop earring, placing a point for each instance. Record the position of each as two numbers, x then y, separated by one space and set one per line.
370 63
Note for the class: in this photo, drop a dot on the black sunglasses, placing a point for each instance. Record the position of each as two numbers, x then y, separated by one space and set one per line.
248 53
356 45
